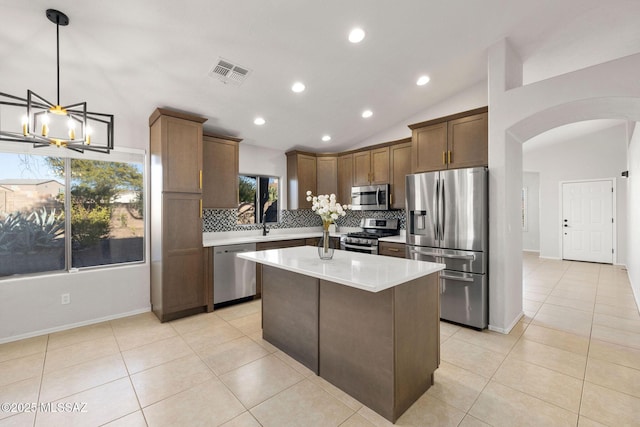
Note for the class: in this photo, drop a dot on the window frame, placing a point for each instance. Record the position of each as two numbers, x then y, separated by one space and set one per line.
258 214
120 155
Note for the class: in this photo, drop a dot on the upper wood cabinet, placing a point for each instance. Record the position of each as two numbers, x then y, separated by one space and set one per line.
301 177
180 164
400 167
220 171
327 175
371 167
429 148
468 141
345 178
451 142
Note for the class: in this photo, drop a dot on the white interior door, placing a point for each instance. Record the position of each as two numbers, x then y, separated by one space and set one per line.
587 221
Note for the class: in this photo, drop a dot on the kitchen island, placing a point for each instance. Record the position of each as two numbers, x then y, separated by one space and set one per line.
367 324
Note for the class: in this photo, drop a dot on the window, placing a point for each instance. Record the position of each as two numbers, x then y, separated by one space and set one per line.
107 225
32 215
58 213
258 197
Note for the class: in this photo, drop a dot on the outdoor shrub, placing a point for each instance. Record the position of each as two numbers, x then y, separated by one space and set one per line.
89 226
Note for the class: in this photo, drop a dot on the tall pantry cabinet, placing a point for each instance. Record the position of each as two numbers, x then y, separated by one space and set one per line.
177 273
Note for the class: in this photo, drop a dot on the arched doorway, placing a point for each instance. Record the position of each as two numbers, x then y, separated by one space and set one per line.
517 113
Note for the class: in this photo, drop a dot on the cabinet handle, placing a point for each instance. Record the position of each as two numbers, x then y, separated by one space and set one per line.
201 179
393 249
449 159
200 208
444 157
391 199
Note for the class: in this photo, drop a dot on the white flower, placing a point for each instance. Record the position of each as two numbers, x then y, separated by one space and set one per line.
326 206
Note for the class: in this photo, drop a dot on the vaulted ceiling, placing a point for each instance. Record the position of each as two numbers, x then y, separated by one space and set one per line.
128 58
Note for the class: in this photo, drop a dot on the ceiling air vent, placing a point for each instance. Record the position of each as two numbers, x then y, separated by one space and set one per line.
228 72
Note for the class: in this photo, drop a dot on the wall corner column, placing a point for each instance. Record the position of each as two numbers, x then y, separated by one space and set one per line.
505 186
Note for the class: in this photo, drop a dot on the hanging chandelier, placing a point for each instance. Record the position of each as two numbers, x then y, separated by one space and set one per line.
39 122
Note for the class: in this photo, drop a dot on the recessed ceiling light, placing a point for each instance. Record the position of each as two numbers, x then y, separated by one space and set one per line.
326 138
367 113
423 80
356 35
259 121
298 87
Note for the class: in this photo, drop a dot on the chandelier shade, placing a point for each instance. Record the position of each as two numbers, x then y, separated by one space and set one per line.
37 121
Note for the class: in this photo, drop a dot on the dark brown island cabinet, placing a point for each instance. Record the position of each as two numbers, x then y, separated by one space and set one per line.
177 268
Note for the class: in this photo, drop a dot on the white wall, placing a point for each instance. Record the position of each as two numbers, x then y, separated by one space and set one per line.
602 154
467 99
265 161
31 306
531 237
633 216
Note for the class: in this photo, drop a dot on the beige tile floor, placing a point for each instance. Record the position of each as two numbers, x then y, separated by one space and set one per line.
574 359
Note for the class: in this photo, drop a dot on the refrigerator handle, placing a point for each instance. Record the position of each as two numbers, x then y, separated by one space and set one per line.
442 210
436 212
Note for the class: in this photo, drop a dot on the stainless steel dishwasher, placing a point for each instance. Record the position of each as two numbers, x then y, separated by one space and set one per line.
233 278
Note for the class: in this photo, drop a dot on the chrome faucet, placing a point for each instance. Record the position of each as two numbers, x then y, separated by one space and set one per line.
265 230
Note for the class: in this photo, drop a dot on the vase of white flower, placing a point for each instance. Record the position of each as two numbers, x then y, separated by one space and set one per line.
329 210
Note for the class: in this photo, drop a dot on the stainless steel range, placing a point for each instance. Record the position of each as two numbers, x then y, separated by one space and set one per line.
366 241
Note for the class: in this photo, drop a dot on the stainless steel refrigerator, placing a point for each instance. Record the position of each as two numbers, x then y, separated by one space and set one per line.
447 222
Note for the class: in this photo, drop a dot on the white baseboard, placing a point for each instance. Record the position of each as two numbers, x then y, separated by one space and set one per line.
509 328
551 257
537 251
73 325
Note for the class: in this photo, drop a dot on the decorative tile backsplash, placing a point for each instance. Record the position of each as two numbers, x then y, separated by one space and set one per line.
216 220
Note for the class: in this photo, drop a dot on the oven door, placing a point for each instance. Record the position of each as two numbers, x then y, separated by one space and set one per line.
368 249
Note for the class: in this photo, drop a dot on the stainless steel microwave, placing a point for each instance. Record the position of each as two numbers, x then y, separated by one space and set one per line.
370 198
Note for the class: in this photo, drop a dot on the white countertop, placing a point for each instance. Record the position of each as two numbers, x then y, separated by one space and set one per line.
363 271
275 234
401 238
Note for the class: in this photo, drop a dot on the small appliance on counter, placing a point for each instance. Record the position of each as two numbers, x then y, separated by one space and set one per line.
370 198
447 222
366 241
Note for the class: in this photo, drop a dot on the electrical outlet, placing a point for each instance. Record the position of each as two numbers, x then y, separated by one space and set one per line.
65 299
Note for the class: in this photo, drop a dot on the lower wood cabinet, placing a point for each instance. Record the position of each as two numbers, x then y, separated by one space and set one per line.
177 276
207 261
392 249
314 241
